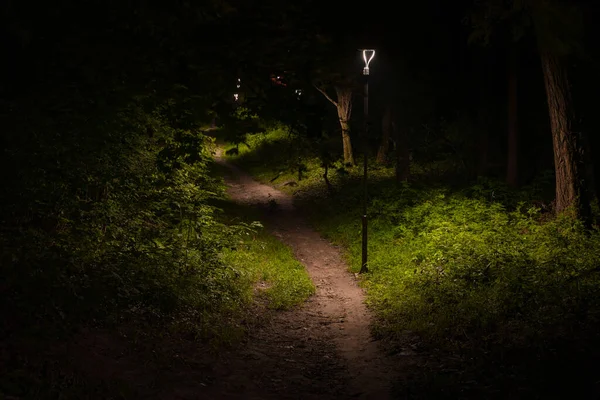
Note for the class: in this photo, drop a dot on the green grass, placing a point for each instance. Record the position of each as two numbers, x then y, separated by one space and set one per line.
271 274
288 163
476 271
459 269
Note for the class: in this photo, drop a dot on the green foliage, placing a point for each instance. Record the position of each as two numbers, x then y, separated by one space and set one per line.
236 123
122 220
292 163
454 265
120 217
271 270
108 214
276 156
115 220
481 271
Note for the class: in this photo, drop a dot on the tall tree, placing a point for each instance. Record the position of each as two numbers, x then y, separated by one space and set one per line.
558 30
344 111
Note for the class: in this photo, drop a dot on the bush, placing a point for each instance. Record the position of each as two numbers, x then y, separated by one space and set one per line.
108 217
113 220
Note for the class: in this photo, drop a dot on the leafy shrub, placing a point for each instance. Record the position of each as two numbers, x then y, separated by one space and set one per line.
113 218
119 218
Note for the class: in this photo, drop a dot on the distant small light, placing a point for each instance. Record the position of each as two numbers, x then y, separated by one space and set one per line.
236 97
278 77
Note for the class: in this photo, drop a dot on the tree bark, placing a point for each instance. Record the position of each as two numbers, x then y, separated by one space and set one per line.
344 110
512 171
384 146
347 143
570 192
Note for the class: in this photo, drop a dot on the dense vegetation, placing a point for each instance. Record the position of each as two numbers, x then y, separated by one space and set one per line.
478 270
113 215
122 221
483 196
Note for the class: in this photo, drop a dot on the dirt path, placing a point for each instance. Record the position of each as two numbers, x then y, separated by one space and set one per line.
322 350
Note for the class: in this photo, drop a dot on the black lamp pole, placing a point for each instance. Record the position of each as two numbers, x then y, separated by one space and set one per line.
367 56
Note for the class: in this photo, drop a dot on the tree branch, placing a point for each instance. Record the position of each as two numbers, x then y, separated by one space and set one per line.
326 95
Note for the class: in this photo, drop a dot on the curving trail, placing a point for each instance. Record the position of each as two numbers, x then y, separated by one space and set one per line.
322 350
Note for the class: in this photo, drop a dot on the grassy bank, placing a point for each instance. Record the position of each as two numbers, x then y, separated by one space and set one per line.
286 162
271 276
478 272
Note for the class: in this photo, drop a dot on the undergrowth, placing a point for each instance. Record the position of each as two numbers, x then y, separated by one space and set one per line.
458 268
479 271
272 275
116 219
289 162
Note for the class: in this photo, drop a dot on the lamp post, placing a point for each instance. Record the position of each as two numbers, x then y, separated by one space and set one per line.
368 55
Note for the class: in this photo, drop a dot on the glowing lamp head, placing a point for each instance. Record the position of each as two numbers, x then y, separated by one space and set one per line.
368 56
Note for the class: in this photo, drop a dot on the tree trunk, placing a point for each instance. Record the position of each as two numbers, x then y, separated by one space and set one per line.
347 143
567 147
344 109
343 106
512 171
384 146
